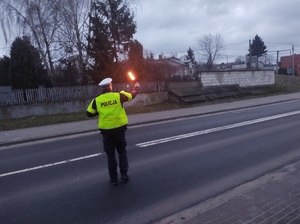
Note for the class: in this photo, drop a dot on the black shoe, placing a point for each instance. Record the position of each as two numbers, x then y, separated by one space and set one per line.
124 177
114 182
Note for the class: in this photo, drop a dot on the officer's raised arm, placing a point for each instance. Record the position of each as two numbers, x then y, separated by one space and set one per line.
124 96
134 92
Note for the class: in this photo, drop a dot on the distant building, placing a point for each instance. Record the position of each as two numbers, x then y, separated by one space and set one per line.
183 67
287 61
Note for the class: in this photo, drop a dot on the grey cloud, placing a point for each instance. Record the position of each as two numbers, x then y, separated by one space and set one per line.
178 24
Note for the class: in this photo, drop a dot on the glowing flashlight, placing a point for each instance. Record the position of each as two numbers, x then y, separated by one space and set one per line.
131 76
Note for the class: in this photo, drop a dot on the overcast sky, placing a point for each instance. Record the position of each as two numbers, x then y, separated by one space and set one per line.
172 26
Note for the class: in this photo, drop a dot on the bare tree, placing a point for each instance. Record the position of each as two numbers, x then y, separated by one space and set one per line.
58 29
269 59
71 35
35 18
240 59
210 48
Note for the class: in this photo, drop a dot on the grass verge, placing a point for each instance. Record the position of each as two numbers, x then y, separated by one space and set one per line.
36 121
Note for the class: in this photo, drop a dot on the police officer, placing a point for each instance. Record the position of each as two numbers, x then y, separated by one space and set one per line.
112 122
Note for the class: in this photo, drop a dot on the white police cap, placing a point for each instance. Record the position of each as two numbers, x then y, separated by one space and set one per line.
105 82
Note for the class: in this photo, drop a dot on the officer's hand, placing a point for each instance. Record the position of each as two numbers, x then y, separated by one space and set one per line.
136 85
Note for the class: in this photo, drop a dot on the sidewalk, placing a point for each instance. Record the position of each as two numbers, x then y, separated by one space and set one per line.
58 130
273 198
270 199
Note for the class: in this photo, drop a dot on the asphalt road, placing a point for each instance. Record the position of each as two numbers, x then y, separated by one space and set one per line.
173 165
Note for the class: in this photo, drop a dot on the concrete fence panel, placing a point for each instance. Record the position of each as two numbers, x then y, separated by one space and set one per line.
52 108
242 78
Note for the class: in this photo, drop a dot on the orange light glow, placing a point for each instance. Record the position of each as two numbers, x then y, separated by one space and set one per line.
131 76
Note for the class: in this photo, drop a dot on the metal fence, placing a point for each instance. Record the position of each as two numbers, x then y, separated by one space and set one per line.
71 93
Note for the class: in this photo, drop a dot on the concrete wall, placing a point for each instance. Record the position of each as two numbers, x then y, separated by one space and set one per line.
31 110
178 85
241 78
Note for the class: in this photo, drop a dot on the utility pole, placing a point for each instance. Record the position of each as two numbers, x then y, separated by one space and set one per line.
277 62
293 60
250 55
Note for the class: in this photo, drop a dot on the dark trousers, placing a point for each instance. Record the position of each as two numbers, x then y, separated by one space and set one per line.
115 140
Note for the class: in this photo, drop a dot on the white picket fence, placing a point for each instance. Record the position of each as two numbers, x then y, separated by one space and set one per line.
61 94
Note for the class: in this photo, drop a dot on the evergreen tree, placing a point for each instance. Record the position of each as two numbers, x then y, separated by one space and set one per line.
112 28
66 73
99 48
191 56
135 58
4 71
257 47
25 64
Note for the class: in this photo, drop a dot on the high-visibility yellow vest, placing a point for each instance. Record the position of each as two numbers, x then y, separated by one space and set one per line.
110 109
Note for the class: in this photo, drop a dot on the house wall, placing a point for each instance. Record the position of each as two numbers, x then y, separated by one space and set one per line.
181 70
241 78
286 61
40 109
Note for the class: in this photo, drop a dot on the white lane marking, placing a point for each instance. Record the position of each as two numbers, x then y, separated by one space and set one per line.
211 130
50 165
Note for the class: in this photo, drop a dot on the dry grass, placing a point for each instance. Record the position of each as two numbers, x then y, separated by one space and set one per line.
40 121
287 84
